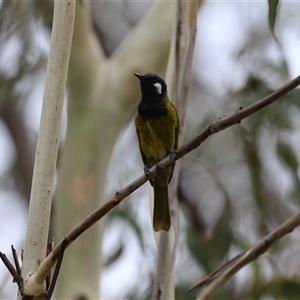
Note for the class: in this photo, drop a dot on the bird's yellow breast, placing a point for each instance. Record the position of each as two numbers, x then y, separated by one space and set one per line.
158 135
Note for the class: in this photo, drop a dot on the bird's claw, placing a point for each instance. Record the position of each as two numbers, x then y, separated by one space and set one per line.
147 172
172 153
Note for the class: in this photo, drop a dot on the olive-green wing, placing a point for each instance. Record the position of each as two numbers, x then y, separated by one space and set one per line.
176 132
177 128
144 158
141 151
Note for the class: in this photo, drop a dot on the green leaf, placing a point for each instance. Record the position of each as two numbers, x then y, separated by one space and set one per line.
198 248
286 153
272 14
115 255
125 214
181 292
280 288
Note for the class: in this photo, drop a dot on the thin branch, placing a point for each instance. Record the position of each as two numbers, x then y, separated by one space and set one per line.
56 271
236 118
211 129
177 51
209 278
219 277
16 260
188 67
166 242
17 277
164 286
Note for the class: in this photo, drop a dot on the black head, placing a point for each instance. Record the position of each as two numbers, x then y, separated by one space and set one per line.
152 86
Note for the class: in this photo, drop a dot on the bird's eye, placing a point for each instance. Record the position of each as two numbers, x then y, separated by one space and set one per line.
154 81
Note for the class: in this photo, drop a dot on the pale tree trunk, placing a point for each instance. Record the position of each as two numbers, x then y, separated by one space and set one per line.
178 78
103 95
47 147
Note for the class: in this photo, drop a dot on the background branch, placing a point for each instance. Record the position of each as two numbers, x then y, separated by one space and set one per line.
219 277
179 74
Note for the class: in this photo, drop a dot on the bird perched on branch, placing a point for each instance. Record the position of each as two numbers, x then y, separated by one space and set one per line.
157 127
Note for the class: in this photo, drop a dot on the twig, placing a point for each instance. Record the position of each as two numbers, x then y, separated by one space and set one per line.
16 260
49 249
166 242
219 277
236 118
178 36
164 286
56 271
211 129
17 277
209 278
188 76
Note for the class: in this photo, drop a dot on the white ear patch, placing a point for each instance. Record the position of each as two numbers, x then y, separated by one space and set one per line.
158 87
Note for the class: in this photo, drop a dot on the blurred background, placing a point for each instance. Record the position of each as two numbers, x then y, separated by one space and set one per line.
239 185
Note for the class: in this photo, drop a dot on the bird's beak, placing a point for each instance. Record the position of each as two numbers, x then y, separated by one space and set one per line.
139 76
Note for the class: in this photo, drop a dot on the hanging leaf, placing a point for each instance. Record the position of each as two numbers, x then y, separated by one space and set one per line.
115 255
286 153
272 14
278 288
125 214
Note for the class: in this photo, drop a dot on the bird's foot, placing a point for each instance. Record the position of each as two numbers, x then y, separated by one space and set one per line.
172 153
147 172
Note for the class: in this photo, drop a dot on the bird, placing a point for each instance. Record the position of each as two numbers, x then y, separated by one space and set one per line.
157 128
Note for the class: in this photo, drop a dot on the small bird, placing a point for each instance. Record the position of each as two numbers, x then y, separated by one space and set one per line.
157 127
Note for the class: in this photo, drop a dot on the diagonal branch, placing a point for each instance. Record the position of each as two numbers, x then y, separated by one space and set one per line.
211 129
237 117
219 277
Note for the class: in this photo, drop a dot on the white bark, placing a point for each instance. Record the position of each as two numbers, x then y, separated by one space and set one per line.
47 146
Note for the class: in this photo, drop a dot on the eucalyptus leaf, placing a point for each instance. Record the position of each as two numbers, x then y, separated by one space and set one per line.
273 4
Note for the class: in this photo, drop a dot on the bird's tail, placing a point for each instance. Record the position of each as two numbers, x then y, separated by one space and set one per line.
161 212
